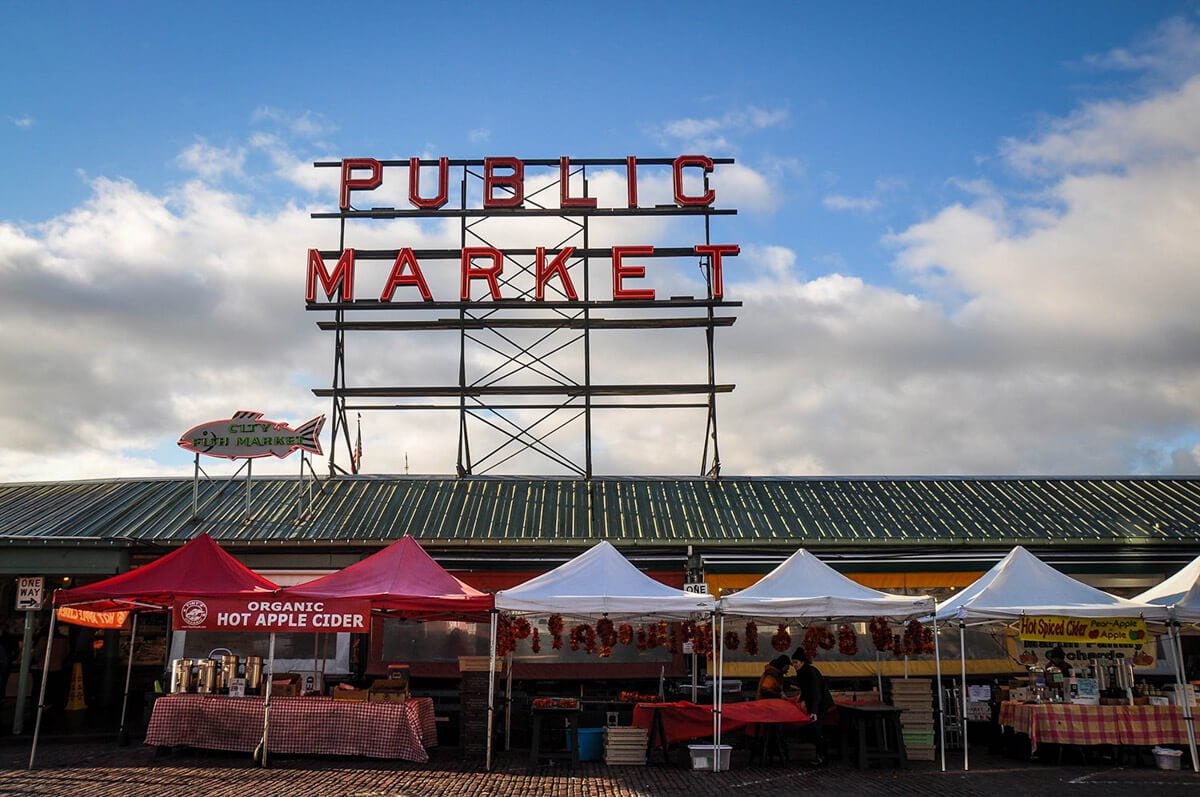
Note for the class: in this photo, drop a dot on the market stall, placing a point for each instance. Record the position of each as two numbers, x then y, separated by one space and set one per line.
1181 594
1021 587
199 567
804 588
599 583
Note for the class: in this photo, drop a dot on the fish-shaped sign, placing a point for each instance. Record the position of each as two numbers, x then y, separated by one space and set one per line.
247 435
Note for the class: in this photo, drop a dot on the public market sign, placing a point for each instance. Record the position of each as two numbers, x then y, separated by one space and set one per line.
1098 631
505 192
247 435
336 615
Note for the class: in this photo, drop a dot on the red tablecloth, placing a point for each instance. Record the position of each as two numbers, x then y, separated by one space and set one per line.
299 725
685 720
1064 723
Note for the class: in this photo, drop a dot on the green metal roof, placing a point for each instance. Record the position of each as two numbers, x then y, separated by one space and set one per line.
734 512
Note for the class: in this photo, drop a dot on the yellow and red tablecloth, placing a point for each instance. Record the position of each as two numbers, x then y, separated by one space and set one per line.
1065 723
299 725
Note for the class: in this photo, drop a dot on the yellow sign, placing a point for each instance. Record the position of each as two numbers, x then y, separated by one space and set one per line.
1098 631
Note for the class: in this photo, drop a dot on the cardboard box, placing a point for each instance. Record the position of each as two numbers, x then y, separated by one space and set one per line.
387 690
352 695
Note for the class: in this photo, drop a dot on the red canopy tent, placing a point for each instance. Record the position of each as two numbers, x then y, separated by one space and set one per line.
402 580
199 567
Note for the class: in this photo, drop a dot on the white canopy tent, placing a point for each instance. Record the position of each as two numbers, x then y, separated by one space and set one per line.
1181 594
599 582
1021 584
1172 590
805 587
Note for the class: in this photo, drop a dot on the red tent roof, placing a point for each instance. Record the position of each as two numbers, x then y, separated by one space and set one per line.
200 567
402 578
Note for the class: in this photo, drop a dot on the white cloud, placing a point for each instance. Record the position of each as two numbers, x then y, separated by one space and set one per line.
1171 51
302 124
24 121
480 135
212 163
712 134
857 204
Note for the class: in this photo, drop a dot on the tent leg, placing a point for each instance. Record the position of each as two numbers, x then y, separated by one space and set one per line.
714 677
508 702
879 674
1177 660
122 735
719 694
962 649
37 726
491 695
937 663
260 755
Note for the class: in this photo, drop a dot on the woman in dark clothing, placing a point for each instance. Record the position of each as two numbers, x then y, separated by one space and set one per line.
770 685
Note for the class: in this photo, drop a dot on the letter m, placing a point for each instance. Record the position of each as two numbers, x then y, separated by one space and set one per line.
342 278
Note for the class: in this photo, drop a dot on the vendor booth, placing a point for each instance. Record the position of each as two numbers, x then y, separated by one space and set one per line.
1027 596
805 589
199 567
598 584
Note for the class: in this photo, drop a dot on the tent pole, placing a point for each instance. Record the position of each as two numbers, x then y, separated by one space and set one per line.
937 661
879 674
491 694
714 674
508 675
1177 660
962 649
720 693
37 726
122 736
262 759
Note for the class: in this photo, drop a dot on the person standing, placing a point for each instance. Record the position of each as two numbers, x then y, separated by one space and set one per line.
818 700
770 684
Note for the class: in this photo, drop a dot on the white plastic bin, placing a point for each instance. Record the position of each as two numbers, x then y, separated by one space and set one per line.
702 755
1166 758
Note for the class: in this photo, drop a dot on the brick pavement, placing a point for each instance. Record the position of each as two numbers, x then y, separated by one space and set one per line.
101 769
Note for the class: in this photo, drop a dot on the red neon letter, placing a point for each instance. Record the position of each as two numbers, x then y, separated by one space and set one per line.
564 188
515 182
359 183
705 163
490 273
414 184
715 251
397 277
621 271
557 266
342 276
631 180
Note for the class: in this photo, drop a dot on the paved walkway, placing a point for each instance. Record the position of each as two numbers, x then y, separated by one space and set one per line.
101 769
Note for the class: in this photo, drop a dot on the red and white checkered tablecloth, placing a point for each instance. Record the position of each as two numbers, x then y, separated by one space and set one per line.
299 725
1062 723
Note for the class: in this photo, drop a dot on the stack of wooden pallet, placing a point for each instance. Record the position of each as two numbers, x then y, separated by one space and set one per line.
915 696
625 745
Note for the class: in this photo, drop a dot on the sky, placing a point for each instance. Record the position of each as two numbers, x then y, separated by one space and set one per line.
969 232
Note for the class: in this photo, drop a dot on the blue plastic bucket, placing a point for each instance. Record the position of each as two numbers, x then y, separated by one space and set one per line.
591 744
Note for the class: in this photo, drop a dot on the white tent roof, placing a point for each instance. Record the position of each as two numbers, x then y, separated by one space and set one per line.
1020 584
601 581
804 586
1174 588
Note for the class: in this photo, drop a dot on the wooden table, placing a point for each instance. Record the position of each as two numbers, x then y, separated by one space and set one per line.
299 726
569 750
875 730
1067 723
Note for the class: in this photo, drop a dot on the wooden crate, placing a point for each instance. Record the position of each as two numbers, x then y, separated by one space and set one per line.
624 745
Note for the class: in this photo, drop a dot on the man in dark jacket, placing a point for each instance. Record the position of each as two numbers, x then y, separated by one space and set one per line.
818 700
